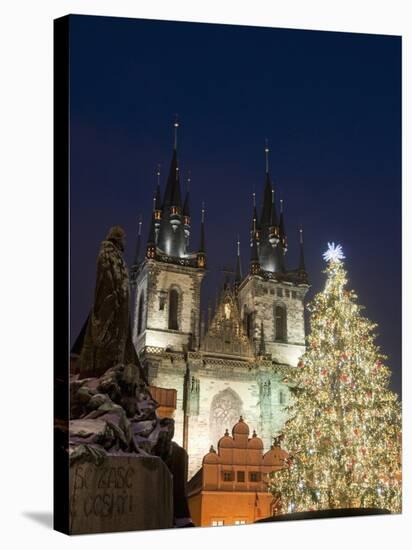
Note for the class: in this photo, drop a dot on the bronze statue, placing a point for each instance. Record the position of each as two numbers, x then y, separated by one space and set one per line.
107 338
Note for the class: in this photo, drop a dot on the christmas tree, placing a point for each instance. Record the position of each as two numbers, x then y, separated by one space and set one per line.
344 432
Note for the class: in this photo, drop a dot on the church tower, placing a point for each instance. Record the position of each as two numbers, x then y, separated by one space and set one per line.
168 280
271 295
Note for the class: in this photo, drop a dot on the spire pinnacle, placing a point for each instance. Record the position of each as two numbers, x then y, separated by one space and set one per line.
281 206
238 272
302 268
176 126
267 156
201 255
139 238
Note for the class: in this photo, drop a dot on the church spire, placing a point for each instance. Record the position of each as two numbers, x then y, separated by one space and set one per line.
254 258
238 272
201 255
282 233
138 243
266 215
171 236
151 240
301 254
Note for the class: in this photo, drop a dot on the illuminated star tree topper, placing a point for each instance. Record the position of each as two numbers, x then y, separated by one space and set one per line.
334 253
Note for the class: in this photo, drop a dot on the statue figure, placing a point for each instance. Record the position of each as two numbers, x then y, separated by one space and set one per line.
107 340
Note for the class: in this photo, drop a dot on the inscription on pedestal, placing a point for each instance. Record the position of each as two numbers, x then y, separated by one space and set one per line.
123 494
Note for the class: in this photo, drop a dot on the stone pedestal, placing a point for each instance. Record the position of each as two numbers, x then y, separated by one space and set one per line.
123 494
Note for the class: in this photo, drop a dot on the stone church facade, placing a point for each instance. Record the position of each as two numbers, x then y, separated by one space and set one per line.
234 364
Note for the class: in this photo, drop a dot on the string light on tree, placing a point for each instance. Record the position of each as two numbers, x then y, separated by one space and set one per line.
344 432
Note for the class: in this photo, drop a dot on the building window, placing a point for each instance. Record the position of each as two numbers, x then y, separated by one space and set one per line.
240 522
281 397
241 476
272 291
173 309
249 324
280 323
140 314
280 292
294 294
254 476
217 522
227 476
287 293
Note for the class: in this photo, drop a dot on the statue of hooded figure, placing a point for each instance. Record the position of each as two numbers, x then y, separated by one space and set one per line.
107 340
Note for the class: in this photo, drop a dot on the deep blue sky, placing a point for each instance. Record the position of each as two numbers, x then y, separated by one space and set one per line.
329 103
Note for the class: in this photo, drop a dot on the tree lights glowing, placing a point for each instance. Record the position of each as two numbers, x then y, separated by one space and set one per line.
344 432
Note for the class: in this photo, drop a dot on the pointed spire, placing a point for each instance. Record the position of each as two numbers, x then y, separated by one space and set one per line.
254 258
238 273
158 199
266 215
301 254
186 210
267 155
151 241
282 233
262 347
176 126
138 242
201 255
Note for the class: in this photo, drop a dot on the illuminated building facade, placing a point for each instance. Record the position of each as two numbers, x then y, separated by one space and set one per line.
231 488
235 364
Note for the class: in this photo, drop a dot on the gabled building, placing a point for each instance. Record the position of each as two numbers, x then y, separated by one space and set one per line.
231 487
235 364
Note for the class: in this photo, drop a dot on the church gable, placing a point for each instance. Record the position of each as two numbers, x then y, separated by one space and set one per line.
225 334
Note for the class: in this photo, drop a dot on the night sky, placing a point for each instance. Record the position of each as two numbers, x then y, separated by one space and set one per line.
329 104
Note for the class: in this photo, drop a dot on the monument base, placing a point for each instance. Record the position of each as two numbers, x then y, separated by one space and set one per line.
125 493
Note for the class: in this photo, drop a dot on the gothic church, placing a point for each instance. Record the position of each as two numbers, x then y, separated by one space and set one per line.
234 364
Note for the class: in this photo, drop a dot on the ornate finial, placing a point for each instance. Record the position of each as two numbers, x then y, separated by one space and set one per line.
254 433
212 449
241 418
267 155
139 231
226 433
238 246
203 212
273 196
189 179
254 199
176 126
301 235
154 202
158 174
281 206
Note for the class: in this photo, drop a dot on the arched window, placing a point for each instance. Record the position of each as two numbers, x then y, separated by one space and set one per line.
140 314
280 323
173 309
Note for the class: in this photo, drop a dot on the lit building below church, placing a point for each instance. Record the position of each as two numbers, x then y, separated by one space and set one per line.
231 488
